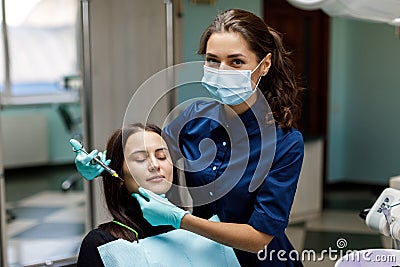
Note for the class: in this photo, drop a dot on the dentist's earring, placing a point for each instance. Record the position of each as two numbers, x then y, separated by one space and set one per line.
266 72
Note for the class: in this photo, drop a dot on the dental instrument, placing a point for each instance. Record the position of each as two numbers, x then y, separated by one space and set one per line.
384 216
77 146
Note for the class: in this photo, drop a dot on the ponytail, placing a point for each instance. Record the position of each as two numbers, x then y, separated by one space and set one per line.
279 85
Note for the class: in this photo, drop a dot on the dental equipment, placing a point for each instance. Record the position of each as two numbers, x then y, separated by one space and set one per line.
384 216
77 146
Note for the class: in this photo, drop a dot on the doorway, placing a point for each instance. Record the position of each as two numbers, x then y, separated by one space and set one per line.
306 34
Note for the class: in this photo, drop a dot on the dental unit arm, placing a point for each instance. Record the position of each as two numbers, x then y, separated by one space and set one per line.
384 216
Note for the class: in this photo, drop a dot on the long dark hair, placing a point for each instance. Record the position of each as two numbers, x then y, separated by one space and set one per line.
279 85
115 192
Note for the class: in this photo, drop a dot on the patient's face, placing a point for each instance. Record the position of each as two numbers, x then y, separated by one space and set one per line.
147 163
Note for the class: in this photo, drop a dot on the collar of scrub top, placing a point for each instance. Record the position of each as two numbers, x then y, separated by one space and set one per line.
257 111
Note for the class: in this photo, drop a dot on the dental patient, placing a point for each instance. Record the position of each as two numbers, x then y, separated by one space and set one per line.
140 156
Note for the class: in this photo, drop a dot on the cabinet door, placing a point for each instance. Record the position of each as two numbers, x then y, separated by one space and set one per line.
306 34
308 198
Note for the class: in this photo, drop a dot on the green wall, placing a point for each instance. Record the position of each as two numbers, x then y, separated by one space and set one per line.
338 76
364 128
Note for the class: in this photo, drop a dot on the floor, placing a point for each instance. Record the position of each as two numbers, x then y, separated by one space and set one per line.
49 223
321 240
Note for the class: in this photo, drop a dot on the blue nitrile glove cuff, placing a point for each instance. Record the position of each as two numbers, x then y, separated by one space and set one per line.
157 210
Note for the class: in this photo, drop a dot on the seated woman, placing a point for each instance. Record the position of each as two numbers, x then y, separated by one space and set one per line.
140 156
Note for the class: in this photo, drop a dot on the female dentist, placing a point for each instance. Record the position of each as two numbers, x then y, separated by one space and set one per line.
248 177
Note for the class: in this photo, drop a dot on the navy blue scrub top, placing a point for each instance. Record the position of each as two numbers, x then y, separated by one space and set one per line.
224 154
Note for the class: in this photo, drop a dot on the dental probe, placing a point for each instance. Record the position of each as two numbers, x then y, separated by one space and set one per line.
77 146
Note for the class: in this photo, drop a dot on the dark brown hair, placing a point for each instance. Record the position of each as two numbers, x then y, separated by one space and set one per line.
116 195
279 85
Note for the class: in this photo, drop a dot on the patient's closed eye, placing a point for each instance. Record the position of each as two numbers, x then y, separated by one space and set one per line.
161 154
138 157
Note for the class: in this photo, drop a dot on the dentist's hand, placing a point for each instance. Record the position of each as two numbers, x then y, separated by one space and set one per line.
84 166
157 210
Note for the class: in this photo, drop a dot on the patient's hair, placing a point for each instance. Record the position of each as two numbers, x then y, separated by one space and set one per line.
118 199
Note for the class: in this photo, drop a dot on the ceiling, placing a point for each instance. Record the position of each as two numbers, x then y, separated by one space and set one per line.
385 11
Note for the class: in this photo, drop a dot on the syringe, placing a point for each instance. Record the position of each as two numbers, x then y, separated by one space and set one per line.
77 146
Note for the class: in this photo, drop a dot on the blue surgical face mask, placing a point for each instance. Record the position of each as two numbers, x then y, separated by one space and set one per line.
230 87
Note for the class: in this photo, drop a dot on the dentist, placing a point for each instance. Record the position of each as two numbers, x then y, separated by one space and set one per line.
249 175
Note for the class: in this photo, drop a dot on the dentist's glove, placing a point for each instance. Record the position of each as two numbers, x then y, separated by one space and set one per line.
157 210
88 169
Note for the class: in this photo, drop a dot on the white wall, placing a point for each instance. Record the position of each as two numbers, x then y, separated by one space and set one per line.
128 46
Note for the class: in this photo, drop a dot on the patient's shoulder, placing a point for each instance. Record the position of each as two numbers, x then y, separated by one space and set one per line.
88 254
97 237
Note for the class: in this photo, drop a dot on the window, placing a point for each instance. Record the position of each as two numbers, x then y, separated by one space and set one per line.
42 50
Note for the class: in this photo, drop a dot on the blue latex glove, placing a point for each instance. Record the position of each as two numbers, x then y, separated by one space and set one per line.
86 168
157 210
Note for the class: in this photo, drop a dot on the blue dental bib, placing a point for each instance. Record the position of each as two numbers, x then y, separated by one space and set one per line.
178 248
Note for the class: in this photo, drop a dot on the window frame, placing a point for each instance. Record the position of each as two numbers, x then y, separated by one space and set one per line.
8 97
